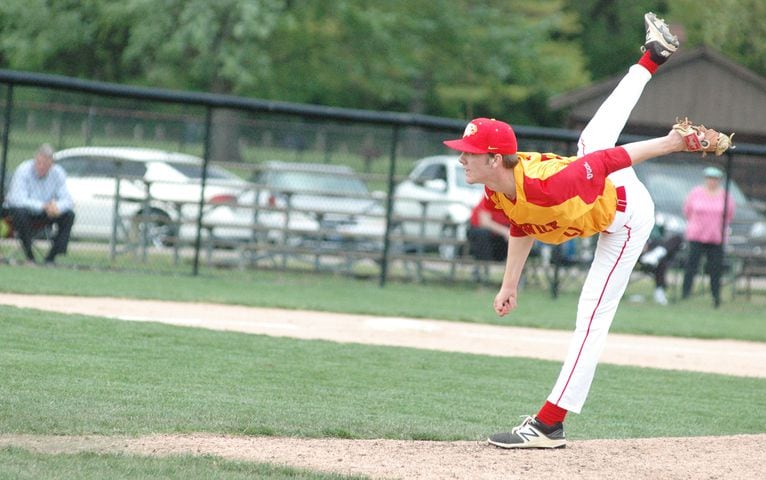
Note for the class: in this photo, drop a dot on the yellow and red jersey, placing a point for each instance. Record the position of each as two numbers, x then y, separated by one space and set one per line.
559 198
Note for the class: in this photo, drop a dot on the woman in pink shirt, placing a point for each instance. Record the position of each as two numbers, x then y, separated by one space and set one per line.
703 209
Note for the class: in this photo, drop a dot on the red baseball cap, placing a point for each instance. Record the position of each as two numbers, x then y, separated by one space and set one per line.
486 135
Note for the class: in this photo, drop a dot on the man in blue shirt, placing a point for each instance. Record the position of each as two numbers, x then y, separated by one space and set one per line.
39 197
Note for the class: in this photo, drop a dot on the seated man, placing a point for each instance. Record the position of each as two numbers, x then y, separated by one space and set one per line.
38 197
659 253
488 234
488 239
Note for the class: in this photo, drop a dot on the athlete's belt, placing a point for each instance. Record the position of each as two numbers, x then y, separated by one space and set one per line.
622 202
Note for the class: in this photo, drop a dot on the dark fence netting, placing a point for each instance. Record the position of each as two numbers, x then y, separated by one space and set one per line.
166 181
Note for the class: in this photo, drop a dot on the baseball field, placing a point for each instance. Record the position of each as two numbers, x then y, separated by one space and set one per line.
268 375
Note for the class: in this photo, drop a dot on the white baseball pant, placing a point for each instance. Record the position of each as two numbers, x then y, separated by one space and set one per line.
617 250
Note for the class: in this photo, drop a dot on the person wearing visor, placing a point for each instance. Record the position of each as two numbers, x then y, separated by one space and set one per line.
705 226
555 198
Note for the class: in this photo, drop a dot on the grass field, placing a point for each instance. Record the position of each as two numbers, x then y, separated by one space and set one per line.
74 375
17 463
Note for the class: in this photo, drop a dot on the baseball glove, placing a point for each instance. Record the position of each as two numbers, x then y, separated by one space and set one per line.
699 138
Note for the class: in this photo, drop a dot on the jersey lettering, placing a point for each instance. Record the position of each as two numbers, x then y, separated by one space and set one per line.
534 228
573 232
588 171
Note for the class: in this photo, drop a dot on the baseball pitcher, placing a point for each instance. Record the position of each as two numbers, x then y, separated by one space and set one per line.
554 198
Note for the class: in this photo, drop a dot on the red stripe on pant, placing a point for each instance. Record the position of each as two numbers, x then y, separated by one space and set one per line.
593 315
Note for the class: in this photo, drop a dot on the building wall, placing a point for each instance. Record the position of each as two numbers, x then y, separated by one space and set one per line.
702 85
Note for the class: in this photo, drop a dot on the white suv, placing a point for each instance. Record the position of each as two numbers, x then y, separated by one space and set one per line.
436 191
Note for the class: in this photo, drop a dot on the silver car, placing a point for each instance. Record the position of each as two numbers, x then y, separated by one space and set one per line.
349 215
158 197
669 182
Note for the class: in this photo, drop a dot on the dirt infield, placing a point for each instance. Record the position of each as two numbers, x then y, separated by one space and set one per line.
677 458
726 357
737 457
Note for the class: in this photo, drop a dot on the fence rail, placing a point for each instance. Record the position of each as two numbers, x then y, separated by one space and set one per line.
380 147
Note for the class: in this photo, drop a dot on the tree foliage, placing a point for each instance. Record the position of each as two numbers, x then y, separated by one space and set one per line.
455 58
613 31
736 28
220 46
77 38
444 57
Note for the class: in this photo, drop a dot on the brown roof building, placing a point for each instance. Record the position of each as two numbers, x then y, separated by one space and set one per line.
700 84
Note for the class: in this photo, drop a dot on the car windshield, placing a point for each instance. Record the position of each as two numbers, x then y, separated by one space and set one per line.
314 181
194 171
107 167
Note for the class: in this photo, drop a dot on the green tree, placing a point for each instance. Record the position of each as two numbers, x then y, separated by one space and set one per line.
443 57
612 32
737 28
76 38
456 58
221 47
515 55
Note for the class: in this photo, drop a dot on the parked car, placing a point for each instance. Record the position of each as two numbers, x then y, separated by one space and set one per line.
173 182
335 196
436 191
670 180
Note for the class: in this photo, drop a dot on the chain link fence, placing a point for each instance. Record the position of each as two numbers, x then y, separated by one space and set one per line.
166 181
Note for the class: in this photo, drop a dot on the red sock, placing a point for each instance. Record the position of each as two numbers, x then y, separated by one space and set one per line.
551 414
647 63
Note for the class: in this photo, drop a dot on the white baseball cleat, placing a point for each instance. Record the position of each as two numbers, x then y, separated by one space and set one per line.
660 43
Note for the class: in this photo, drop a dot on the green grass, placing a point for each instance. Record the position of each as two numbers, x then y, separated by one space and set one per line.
20 464
462 302
62 374
75 375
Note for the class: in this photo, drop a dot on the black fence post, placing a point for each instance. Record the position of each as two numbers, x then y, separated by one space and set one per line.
6 131
205 165
389 206
727 187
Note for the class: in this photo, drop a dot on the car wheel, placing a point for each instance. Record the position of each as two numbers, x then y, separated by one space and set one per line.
154 227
